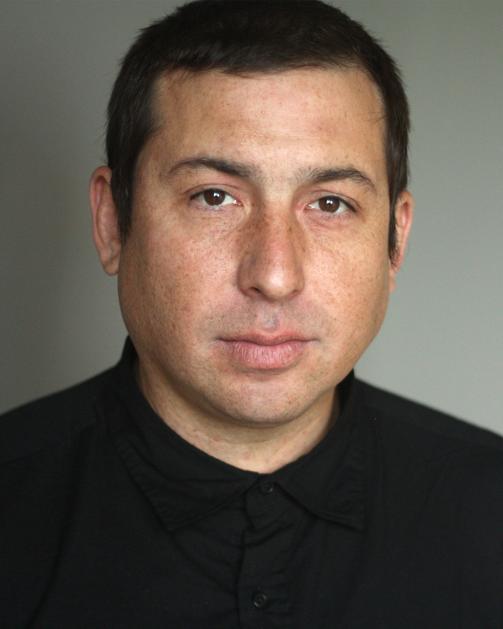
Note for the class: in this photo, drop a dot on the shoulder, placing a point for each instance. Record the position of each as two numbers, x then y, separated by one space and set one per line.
422 448
402 417
437 484
50 421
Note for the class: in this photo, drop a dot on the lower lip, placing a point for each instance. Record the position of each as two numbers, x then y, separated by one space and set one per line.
255 356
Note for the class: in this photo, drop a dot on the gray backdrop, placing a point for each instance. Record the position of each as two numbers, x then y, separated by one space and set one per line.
59 321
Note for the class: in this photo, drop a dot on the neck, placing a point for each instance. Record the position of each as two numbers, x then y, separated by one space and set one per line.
259 446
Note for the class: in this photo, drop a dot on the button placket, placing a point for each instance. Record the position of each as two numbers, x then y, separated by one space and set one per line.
263 591
260 599
266 487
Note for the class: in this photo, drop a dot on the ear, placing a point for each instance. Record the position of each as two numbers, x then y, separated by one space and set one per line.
106 233
404 210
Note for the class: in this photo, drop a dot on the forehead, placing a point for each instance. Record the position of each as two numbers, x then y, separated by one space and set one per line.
304 114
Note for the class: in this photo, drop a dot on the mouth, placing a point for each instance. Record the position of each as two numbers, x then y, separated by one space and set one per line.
261 352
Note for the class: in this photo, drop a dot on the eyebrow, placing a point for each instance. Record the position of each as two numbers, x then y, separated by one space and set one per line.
321 175
236 169
245 171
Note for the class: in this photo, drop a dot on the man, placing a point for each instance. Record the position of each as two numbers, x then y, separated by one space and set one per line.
231 471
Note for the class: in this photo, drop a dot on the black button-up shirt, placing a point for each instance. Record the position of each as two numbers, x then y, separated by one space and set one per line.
110 519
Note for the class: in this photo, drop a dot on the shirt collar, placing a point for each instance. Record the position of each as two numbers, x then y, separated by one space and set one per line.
184 484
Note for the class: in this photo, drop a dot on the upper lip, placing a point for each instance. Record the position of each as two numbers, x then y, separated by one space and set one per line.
265 339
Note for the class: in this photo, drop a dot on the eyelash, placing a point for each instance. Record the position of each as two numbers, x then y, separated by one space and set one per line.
199 195
342 201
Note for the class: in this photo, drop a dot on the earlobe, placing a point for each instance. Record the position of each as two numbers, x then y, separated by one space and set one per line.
106 232
404 211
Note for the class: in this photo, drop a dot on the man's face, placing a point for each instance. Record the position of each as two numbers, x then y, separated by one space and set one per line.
256 271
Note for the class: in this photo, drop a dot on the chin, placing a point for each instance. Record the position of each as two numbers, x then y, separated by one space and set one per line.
254 408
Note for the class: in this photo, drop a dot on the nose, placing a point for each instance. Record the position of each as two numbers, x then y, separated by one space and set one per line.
272 260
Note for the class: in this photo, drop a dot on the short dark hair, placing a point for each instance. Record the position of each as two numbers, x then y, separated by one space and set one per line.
247 36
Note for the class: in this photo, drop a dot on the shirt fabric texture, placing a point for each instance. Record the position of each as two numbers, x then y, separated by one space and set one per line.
109 519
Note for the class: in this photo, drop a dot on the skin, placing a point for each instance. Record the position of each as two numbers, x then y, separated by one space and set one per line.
283 255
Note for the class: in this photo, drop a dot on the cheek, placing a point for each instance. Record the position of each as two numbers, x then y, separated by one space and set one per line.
373 293
359 289
168 284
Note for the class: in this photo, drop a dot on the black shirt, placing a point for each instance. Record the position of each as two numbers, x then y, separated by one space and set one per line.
110 520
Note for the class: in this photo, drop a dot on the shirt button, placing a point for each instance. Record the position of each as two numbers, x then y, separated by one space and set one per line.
260 600
267 487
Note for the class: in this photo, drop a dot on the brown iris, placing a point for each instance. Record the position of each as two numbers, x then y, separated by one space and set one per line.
329 204
214 196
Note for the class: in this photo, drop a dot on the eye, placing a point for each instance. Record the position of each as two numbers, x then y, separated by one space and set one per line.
331 204
213 198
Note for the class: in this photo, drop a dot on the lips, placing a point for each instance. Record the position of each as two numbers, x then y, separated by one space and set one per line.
262 352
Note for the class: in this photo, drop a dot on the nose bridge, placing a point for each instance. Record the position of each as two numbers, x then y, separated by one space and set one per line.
272 263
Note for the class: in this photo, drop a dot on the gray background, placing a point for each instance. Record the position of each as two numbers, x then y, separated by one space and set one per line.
59 321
